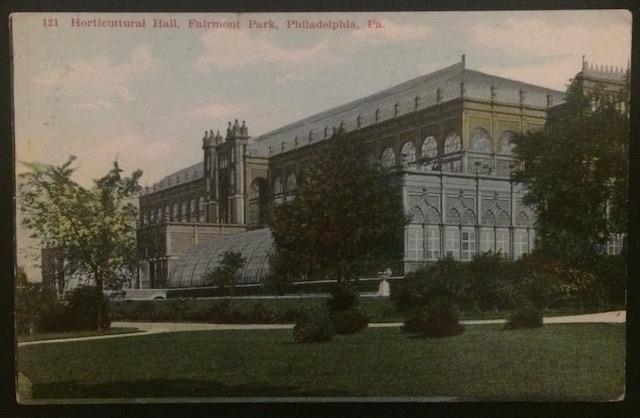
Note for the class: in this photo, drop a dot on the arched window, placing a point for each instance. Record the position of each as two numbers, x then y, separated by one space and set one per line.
201 214
506 142
388 158
159 216
480 141
371 158
452 143
408 153
292 186
277 190
175 212
193 217
183 212
429 147
167 214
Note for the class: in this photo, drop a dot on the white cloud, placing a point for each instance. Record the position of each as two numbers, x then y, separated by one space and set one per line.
539 38
93 82
239 48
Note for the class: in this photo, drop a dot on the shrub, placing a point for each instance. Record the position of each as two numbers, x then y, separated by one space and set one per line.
33 304
225 276
145 311
261 315
55 317
313 326
343 297
290 315
83 308
438 318
525 317
349 321
220 311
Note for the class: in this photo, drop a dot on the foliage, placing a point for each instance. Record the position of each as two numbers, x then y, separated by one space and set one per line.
225 276
346 218
82 308
312 326
576 173
437 318
349 321
94 226
343 296
33 304
526 316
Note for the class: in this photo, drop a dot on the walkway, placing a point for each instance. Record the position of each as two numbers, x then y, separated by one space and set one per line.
146 328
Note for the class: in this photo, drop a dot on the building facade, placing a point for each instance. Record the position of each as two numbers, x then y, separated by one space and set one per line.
446 134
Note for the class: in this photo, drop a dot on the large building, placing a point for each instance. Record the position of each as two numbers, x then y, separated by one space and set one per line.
446 134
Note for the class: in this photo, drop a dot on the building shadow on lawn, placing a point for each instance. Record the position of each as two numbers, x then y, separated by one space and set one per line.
170 388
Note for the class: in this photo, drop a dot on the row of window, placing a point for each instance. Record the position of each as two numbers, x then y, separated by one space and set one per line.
187 211
480 141
462 244
284 192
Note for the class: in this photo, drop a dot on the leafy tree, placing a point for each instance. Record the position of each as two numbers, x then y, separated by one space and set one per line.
576 172
95 226
346 218
21 277
225 276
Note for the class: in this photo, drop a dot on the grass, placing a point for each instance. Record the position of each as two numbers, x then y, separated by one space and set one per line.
74 334
378 309
568 361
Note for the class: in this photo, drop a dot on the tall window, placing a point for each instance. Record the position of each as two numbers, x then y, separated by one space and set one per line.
159 216
388 158
452 143
452 242
480 141
167 214
433 242
468 244
614 245
277 190
415 250
175 212
487 240
532 239
408 153
502 242
201 214
506 142
430 147
520 243
183 212
292 186
193 217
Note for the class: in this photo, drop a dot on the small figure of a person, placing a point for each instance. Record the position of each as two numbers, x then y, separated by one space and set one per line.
383 289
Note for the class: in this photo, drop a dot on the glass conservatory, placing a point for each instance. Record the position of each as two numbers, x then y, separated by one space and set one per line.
193 266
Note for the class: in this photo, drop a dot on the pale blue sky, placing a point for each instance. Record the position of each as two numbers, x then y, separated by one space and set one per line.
145 96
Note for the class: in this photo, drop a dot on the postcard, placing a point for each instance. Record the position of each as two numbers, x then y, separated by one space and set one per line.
349 206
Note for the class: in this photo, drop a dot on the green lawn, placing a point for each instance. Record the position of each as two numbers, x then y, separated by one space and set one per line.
74 334
576 361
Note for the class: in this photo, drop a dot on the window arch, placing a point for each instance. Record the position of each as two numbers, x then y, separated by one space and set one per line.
506 142
277 190
201 214
430 147
388 158
408 153
480 141
292 186
452 143
183 212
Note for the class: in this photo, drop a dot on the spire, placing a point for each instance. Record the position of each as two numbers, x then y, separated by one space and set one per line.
464 61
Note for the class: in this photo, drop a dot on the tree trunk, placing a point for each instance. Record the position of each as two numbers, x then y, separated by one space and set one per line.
99 301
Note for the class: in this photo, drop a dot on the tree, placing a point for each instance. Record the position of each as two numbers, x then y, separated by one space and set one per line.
95 226
225 276
576 172
346 218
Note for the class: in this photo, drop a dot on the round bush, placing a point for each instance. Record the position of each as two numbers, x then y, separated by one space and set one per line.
145 310
343 297
524 317
349 321
313 326
83 308
438 318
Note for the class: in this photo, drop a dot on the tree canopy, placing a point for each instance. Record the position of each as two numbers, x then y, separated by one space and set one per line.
346 219
576 172
94 226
